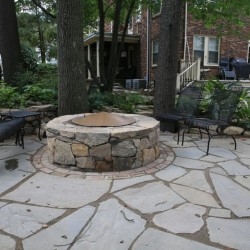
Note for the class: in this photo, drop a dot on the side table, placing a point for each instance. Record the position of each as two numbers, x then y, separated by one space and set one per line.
23 114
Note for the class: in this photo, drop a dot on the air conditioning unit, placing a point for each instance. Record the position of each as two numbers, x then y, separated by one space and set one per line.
129 84
139 83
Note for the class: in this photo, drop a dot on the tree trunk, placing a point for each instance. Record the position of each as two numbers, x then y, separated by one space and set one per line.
113 58
72 89
101 41
168 56
9 41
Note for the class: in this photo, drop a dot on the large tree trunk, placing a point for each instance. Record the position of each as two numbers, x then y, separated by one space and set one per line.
72 90
168 56
113 58
101 41
9 41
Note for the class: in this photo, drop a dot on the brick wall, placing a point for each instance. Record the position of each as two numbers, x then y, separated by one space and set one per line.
231 46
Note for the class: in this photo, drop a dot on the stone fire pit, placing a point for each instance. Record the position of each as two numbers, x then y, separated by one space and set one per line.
112 148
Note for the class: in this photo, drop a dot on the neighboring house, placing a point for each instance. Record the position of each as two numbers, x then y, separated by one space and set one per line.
139 58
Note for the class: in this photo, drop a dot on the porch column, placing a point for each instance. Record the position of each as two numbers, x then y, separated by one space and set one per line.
97 59
89 56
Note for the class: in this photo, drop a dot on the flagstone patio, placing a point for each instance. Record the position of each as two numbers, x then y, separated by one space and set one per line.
183 200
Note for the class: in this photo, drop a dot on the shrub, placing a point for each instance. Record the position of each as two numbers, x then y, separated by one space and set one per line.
9 97
124 101
242 113
29 57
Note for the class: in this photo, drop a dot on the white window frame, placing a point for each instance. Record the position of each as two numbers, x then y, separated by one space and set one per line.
154 52
206 50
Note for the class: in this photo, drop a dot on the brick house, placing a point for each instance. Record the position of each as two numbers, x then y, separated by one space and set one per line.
198 42
142 43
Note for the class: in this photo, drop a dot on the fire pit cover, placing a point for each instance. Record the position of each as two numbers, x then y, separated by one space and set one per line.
103 119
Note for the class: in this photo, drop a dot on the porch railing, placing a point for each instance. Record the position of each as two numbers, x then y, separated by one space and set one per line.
189 74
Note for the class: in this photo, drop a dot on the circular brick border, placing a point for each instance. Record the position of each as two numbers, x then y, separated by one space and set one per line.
40 162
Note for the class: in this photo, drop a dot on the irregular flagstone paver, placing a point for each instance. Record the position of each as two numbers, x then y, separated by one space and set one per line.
14 170
221 152
7 243
213 158
55 191
61 234
120 184
231 233
153 239
218 170
223 213
187 218
195 196
232 195
12 150
242 149
24 220
113 227
190 163
195 179
190 152
245 161
243 180
150 198
170 173
234 168
2 204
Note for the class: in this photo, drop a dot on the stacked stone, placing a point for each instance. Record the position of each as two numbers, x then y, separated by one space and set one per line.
103 148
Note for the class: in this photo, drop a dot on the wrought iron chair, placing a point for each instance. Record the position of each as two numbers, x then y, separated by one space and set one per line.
186 107
10 127
225 71
220 114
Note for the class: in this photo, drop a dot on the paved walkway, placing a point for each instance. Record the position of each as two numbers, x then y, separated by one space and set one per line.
184 200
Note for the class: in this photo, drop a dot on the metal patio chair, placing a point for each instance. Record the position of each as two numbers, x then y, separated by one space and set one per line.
220 114
186 107
225 71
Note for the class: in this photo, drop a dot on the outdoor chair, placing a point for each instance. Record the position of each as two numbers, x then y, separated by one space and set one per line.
225 71
11 127
219 116
186 107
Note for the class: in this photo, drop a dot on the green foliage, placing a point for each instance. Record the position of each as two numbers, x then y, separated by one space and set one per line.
124 101
228 17
37 93
43 87
39 85
242 113
29 57
9 97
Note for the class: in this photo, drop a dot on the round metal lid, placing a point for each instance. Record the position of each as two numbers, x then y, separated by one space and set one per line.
103 119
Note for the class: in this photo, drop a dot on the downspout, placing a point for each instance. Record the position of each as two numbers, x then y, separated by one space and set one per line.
148 77
185 34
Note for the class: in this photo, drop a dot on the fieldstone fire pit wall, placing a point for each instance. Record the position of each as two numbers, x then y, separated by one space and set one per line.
103 148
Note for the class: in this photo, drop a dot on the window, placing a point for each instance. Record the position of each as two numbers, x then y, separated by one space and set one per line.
207 48
155 49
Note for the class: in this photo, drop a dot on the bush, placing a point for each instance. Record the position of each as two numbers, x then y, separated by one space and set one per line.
29 57
10 98
37 93
124 101
242 113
